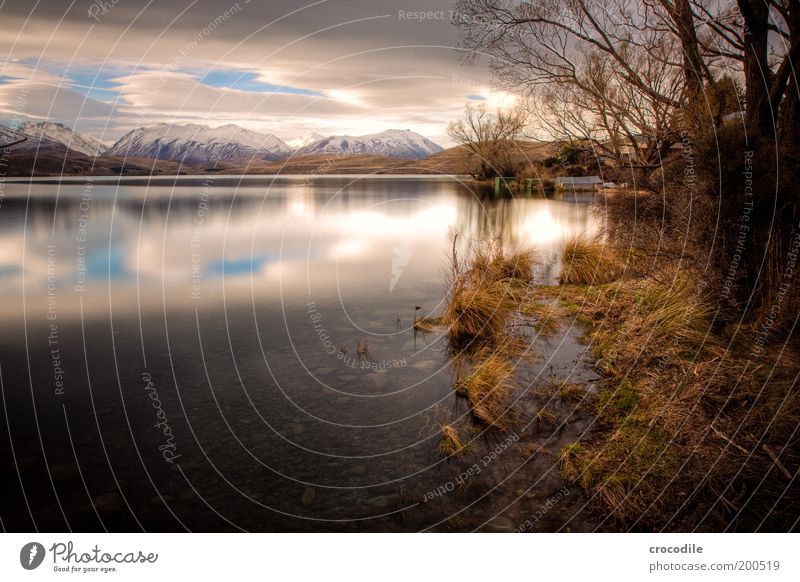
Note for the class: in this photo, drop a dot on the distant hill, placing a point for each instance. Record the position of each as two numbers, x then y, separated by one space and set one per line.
31 164
43 135
393 143
198 143
198 149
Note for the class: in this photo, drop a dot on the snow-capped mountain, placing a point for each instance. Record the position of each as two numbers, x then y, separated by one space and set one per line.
43 134
395 143
198 143
300 142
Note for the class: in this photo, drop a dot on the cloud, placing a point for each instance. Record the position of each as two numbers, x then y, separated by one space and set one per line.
328 66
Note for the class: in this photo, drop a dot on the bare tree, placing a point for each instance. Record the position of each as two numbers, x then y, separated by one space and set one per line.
648 68
771 55
489 138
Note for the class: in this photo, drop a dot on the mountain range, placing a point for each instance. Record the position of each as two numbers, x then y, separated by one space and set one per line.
51 135
201 144
393 143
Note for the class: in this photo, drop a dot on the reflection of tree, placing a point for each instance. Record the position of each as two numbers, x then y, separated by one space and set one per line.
540 223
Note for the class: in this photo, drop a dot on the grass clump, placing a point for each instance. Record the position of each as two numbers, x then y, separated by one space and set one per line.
488 388
571 392
484 293
476 315
491 263
450 443
546 417
675 310
569 458
589 262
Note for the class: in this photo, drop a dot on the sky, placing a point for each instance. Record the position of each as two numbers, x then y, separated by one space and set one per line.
348 67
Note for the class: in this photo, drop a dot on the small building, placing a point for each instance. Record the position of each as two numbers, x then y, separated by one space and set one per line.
579 183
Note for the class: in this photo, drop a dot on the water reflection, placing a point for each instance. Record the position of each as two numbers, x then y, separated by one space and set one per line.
245 305
269 239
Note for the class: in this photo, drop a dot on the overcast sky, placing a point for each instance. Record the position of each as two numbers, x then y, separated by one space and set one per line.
289 68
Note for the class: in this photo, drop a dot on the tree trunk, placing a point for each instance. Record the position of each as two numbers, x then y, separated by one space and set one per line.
758 75
693 67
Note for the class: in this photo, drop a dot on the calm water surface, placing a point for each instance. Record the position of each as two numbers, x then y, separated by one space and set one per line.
184 355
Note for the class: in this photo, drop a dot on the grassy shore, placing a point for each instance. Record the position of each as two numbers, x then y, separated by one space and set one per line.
690 429
695 431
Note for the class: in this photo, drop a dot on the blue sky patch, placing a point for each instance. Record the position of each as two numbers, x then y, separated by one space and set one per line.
240 266
248 81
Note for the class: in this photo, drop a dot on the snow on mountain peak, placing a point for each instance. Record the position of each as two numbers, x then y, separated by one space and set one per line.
397 143
303 141
198 143
43 132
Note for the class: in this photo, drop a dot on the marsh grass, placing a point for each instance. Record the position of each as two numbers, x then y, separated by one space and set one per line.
488 387
450 443
484 293
545 416
569 458
573 393
491 263
587 261
675 380
477 315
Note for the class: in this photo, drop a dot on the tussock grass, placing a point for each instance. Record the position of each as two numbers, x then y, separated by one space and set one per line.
569 459
676 309
488 388
589 262
484 293
546 417
476 315
491 263
450 443
571 392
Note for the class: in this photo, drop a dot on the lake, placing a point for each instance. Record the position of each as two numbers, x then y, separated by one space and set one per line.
227 352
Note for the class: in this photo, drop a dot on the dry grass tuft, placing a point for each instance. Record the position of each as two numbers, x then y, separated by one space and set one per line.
450 443
571 392
569 460
491 263
484 293
546 417
488 388
477 315
589 262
